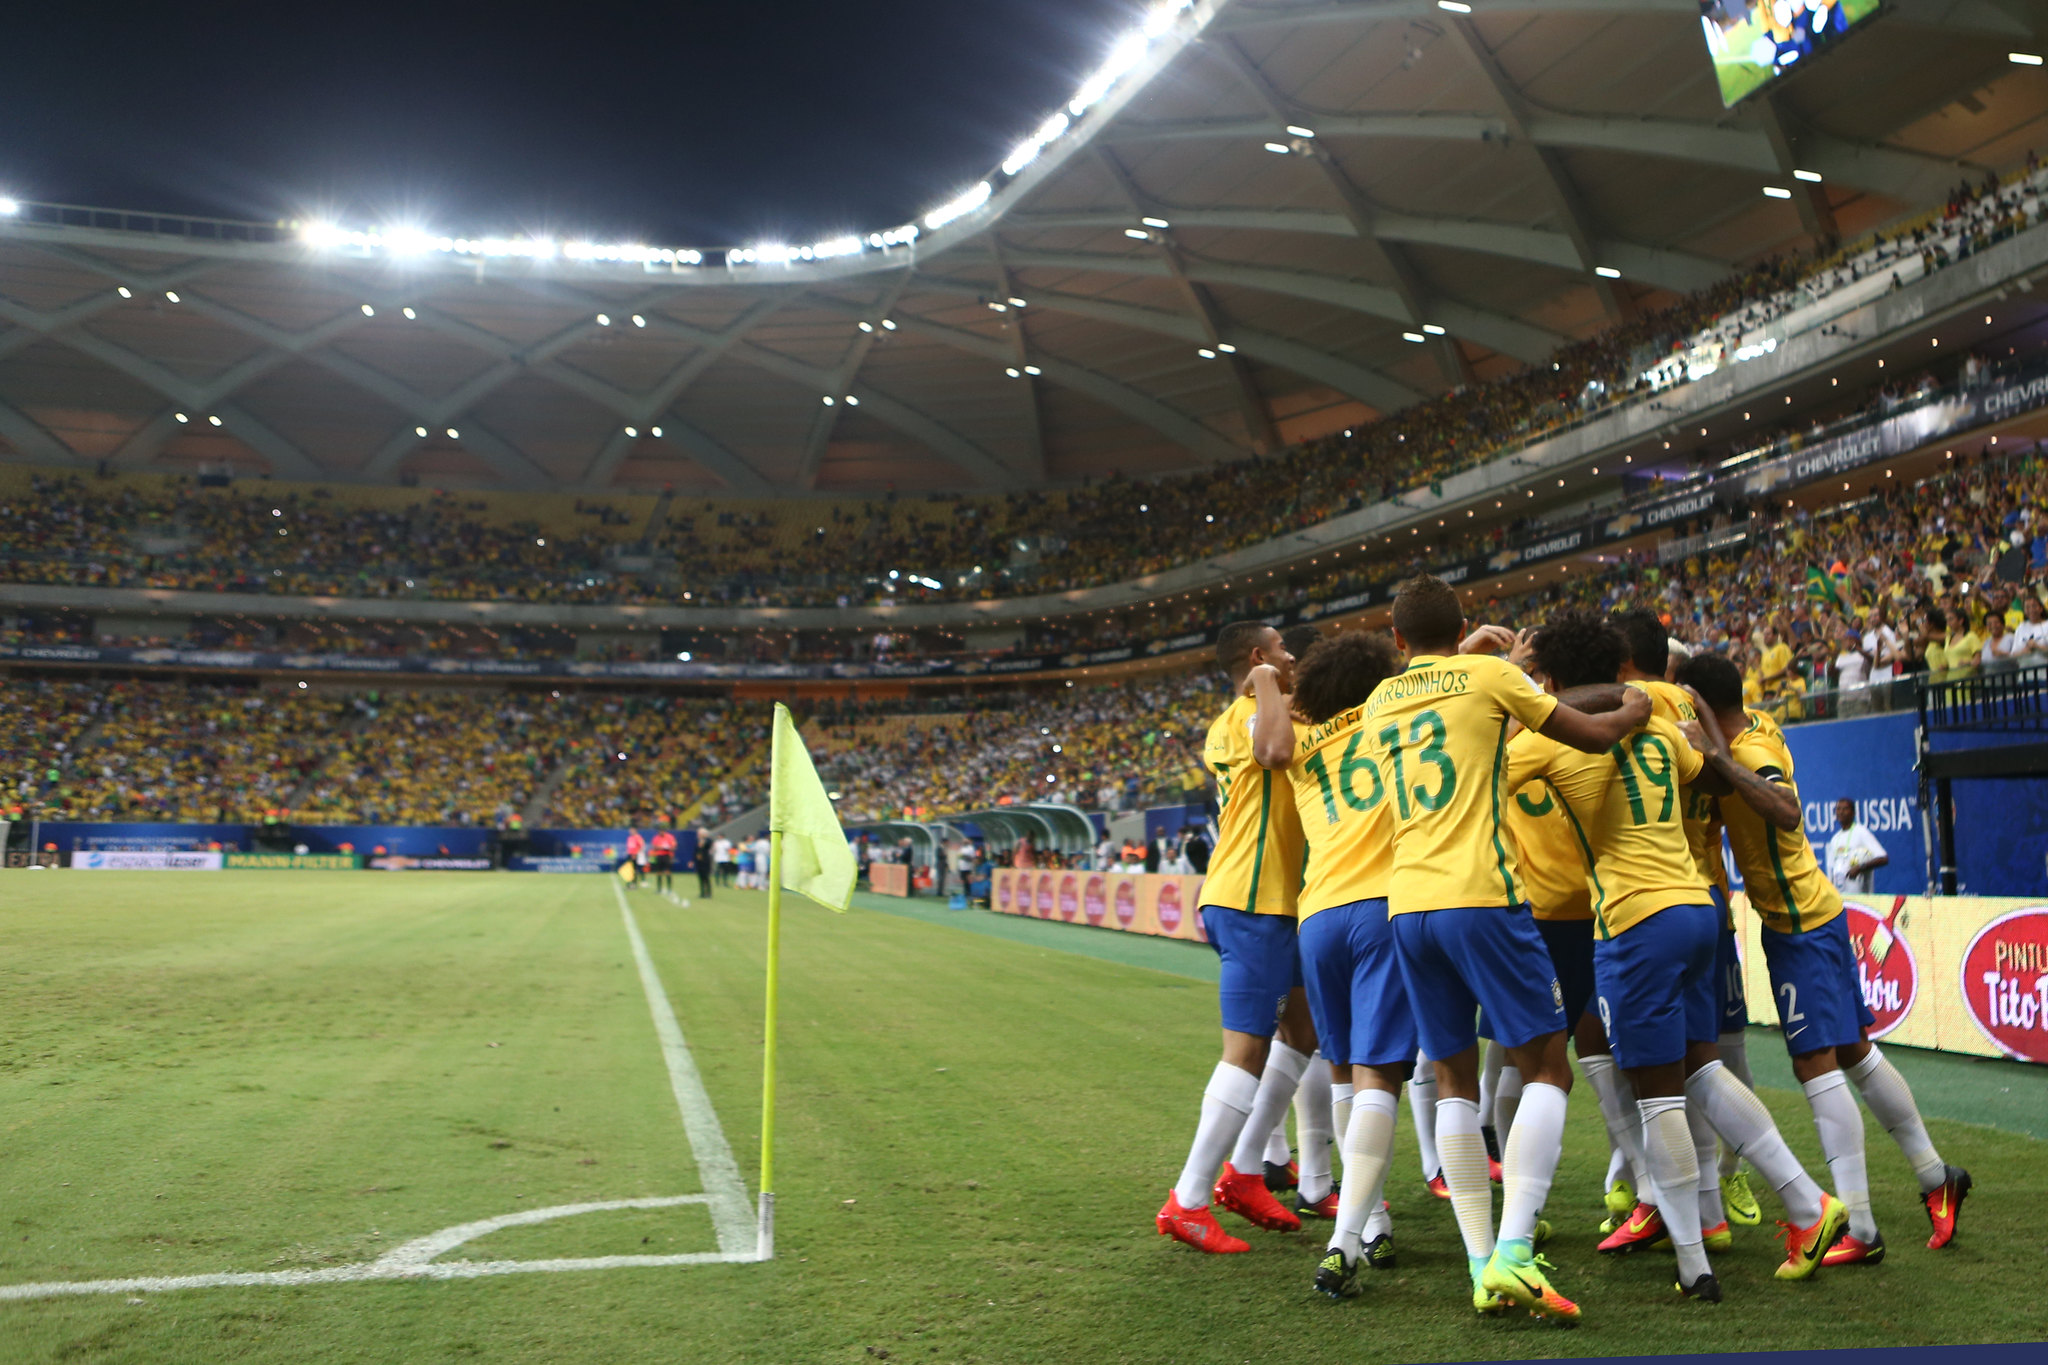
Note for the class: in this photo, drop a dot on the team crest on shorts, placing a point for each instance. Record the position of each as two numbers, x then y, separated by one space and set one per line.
1557 992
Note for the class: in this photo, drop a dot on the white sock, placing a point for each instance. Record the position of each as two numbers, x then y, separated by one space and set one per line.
1494 1058
1340 1107
1617 1164
1368 1145
1312 1129
1378 1223
1745 1125
1422 1107
1277 1151
1464 1157
1225 1103
1891 1101
1624 1125
1507 1097
1840 1124
1667 1146
1734 1049
1529 1159
1712 1215
1276 1091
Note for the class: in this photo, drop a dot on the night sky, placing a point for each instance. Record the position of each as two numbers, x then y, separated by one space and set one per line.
687 124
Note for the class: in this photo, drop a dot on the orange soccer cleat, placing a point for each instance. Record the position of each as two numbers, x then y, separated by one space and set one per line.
1248 1198
1198 1228
1643 1227
1943 1203
1852 1250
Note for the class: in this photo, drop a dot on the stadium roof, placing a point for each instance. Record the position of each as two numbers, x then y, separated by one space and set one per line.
1262 221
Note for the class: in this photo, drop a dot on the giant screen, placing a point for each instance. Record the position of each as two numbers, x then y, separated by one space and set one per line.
1754 41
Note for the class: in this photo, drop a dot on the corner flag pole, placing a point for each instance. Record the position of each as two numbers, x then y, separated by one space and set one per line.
765 1248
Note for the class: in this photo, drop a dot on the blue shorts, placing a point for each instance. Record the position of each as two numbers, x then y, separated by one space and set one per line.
1728 971
1455 962
1354 986
1813 976
1261 964
1571 956
1657 987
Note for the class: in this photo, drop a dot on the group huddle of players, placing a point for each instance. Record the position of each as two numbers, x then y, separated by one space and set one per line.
1422 844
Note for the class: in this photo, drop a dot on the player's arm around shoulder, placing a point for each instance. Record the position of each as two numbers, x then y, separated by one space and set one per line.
1595 732
1273 723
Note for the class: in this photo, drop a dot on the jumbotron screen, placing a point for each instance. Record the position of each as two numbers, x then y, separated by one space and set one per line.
1754 41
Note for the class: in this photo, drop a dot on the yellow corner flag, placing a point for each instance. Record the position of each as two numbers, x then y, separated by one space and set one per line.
814 858
807 853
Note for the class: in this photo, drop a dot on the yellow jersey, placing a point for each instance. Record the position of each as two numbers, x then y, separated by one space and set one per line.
1344 813
1702 817
1439 733
1625 807
1784 880
1547 854
1257 862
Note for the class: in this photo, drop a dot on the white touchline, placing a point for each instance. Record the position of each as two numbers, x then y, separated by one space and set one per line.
724 1196
732 1213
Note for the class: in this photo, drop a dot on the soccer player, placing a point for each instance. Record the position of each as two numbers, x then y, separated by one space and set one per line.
1651 662
1463 936
1656 935
636 854
1248 907
1813 970
721 860
1347 950
661 851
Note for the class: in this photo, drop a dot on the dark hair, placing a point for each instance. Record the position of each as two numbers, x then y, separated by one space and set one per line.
1716 678
1428 614
1341 672
1577 646
1299 640
1234 646
1648 643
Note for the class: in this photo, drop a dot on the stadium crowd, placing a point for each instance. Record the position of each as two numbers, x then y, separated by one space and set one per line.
116 534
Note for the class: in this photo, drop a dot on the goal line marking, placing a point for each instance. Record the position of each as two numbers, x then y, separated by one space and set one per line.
724 1197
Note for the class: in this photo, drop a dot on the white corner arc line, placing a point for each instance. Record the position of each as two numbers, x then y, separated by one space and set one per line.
724 1196
732 1213
412 1261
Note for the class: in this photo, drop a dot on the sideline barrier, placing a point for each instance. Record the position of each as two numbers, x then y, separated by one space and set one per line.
156 860
1954 973
889 879
1162 904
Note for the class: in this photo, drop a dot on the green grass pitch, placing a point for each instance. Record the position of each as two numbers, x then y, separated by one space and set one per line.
256 1071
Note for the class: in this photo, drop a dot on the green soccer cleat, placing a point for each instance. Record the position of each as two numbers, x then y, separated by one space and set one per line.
1739 1200
1337 1276
1523 1282
1484 1301
1378 1254
1620 1202
1804 1247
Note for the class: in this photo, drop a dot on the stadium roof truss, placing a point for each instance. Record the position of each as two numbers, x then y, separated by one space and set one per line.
1285 217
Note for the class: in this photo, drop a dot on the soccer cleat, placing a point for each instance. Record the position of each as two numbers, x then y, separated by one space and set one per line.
1853 1250
1198 1228
1493 1170
1326 1207
1523 1282
1280 1177
1492 1140
1739 1200
1717 1238
1643 1227
1439 1187
1706 1288
1337 1277
1620 1201
1247 1197
1944 1203
1804 1247
1379 1252
1541 1234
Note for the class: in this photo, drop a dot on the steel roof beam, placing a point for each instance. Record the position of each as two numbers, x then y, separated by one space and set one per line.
31 438
1175 425
1370 387
1886 170
827 419
1020 356
1201 306
1504 334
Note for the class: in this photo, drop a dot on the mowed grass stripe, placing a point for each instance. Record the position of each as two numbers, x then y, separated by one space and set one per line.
329 1064
1004 1118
